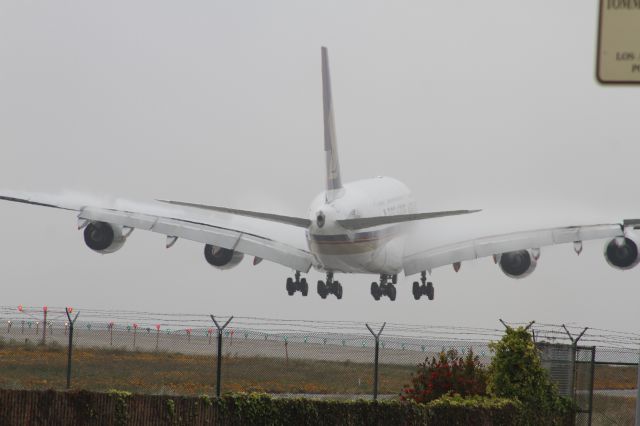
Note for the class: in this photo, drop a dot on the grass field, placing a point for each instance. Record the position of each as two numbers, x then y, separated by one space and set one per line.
44 367
29 366
615 377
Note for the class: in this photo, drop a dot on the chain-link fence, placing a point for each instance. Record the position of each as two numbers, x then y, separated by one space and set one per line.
178 354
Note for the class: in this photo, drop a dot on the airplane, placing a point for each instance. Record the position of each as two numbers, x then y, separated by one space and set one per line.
359 227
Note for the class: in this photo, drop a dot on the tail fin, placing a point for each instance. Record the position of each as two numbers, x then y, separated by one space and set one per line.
334 182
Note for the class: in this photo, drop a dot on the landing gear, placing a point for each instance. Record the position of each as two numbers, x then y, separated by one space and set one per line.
425 288
330 287
297 284
385 288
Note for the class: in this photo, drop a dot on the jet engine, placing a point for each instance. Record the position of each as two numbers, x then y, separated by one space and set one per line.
222 258
517 264
622 253
104 237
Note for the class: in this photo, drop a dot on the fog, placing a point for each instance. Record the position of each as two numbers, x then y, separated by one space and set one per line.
489 105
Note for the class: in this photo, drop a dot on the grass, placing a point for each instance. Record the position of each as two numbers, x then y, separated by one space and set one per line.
615 377
44 367
613 410
32 366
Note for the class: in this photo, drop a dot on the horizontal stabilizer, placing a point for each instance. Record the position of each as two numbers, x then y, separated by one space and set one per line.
369 222
289 220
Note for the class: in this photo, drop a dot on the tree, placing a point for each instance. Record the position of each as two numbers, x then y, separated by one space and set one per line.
516 372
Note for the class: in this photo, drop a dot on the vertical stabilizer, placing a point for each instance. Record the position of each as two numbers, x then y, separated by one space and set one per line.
334 182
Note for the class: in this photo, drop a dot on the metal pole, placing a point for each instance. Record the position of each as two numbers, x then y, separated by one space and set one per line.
375 372
44 326
219 361
637 423
70 349
376 336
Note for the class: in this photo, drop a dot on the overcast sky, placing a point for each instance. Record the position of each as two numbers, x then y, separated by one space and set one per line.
472 104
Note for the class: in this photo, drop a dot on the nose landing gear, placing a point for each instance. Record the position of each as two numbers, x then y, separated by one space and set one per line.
297 284
426 288
385 288
330 287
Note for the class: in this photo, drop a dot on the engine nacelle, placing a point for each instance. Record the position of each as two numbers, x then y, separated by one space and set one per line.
222 258
622 253
517 264
103 237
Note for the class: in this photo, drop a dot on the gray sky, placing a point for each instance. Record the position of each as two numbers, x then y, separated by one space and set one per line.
471 104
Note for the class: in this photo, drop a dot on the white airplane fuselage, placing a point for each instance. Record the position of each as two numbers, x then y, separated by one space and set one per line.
377 250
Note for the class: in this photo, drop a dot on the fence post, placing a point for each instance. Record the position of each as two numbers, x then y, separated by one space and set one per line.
219 361
574 351
44 325
375 361
637 423
69 350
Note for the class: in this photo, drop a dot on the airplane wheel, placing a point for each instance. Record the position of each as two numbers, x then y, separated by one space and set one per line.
417 291
394 279
304 287
338 290
375 291
391 292
290 287
322 289
430 291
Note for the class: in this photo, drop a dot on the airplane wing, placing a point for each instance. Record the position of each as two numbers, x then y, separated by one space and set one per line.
175 222
495 245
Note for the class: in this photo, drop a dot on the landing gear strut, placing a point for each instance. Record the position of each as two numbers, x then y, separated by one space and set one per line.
330 287
297 284
426 288
385 288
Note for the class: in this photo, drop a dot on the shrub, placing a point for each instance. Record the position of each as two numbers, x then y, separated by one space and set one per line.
450 373
475 410
516 372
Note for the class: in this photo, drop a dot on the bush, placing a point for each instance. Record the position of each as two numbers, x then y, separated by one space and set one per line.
475 410
82 407
516 372
450 373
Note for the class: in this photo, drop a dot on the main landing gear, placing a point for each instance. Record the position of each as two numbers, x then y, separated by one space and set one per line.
385 288
297 284
330 287
419 290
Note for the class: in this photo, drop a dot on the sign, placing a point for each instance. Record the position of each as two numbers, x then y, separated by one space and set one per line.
618 53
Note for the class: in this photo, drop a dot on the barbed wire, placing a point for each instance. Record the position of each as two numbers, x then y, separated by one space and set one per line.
345 329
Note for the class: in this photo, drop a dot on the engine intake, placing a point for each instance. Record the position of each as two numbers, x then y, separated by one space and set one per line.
622 253
103 237
222 258
517 264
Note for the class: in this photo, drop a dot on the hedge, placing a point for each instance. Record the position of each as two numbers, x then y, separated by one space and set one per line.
31 407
